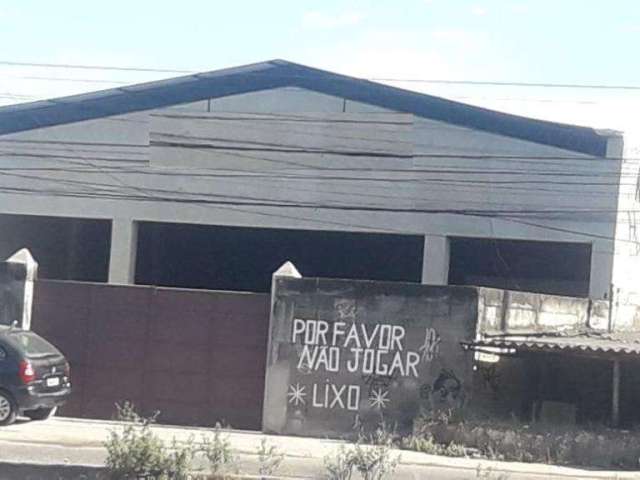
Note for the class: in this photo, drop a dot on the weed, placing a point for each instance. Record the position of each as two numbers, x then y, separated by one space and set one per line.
489 474
270 458
374 462
593 446
371 456
422 443
134 451
217 450
339 464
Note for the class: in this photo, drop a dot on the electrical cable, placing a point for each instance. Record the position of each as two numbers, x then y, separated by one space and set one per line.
9 63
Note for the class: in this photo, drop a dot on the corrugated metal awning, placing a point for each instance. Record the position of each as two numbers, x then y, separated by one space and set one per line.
619 343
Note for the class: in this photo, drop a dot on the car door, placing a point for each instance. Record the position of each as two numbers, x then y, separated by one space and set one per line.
7 367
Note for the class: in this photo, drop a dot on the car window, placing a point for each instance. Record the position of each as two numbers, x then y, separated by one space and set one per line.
32 345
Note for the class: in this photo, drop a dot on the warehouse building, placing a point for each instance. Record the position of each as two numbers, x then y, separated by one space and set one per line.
214 180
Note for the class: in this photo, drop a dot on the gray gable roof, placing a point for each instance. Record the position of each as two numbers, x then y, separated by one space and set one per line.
280 73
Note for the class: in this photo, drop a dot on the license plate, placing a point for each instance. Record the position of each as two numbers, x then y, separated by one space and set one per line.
53 381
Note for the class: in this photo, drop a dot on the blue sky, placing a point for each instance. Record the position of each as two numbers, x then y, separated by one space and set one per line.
566 41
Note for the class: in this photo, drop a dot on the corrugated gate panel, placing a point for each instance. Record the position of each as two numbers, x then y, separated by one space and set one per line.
197 356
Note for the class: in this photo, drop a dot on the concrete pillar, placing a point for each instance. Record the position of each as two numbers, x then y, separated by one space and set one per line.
124 242
435 260
274 408
602 259
624 259
615 394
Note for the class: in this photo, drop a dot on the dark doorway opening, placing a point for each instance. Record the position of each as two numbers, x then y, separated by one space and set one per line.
244 259
579 381
556 268
65 248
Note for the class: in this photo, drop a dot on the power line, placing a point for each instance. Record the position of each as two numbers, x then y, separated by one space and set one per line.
378 79
246 173
233 144
596 170
544 165
220 202
280 174
92 67
250 174
463 98
69 79
261 201
593 86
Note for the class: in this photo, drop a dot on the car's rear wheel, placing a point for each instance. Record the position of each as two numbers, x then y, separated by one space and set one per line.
40 413
8 409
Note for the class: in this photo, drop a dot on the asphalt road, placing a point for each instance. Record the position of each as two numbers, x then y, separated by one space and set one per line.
61 441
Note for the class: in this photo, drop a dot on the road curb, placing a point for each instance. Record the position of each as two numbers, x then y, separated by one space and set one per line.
40 471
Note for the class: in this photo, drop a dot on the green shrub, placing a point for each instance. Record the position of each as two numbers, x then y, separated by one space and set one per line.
134 451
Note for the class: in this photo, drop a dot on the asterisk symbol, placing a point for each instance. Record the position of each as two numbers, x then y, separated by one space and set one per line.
379 398
296 394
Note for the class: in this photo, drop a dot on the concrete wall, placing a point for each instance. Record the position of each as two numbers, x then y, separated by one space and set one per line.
504 311
349 354
110 161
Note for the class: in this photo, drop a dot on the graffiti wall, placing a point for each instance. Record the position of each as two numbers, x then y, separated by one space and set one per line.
345 355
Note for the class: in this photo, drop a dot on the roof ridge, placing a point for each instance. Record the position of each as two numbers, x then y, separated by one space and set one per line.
279 73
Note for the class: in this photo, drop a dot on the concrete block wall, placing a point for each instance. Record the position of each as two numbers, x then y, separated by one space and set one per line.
503 311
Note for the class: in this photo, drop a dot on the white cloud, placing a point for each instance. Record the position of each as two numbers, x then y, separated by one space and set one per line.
317 20
479 11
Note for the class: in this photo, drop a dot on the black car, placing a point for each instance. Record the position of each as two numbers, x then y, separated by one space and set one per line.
34 376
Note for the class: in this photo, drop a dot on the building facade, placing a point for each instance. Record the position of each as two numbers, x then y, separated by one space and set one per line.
214 180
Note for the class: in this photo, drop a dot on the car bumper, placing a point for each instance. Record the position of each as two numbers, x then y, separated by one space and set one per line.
31 399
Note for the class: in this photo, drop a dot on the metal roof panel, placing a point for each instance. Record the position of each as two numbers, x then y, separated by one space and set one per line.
585 342
280 73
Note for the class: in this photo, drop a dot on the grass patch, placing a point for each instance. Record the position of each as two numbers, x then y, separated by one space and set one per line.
594 446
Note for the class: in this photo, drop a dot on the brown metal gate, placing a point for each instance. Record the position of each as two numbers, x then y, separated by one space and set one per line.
197 356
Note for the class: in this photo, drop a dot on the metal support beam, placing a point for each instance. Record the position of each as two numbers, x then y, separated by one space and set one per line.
615 397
